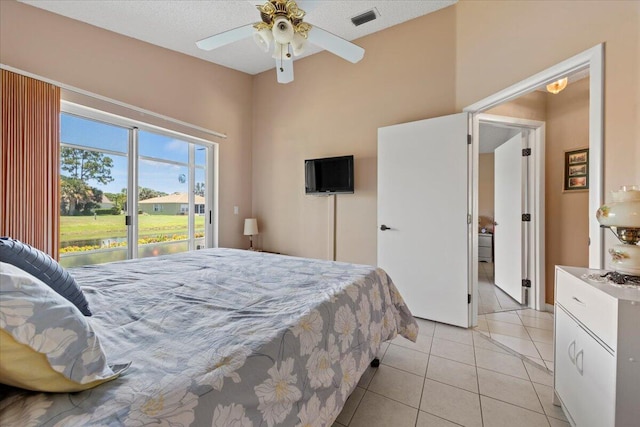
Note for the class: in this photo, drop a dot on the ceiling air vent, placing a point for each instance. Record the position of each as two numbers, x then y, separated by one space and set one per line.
365 17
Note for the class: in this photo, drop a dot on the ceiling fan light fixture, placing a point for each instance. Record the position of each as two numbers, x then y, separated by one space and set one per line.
282 30
282 23
263 39
298 44
557 86
281 51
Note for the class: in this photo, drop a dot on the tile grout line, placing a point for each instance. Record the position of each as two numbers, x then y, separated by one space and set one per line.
424 380
537 395
475 359
516 353
531 339
366 389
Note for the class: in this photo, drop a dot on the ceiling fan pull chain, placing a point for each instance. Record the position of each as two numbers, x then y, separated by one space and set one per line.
281 67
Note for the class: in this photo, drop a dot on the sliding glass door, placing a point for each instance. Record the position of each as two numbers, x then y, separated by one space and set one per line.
130 191
171 200
94 165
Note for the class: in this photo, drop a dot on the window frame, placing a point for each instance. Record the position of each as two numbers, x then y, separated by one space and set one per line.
134 126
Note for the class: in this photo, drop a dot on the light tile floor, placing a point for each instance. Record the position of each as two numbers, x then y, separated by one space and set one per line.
490 297
527 332
452 376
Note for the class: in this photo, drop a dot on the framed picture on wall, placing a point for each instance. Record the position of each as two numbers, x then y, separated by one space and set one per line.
576 169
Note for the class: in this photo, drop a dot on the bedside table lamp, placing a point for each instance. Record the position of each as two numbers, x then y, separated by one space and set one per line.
250 228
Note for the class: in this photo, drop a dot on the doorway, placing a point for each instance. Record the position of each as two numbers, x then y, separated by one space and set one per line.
426 258
590 61
566 214
511 163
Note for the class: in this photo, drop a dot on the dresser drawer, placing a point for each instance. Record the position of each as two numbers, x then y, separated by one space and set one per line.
594 309
485 240
484 252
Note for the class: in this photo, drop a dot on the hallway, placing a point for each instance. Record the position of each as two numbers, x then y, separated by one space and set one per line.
492 299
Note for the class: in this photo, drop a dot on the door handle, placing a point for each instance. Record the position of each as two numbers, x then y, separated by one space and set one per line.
384 228
580 366
578 301
572 357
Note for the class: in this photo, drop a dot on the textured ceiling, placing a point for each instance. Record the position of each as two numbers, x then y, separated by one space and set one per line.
178 24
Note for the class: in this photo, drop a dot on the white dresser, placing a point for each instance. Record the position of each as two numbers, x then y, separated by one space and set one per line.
485 247
597 350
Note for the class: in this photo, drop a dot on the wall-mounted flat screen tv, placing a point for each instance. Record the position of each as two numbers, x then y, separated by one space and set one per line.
330 175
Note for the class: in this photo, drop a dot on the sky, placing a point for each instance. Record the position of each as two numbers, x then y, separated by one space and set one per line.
153 174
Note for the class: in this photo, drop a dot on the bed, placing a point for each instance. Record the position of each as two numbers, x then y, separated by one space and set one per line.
225 337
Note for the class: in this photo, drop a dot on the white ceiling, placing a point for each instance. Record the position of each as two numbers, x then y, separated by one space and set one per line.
178 24
492 136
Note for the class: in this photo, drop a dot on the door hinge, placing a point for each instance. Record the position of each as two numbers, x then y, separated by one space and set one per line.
127 220
526 217
526 283
469 218
469 139
526 152
468 298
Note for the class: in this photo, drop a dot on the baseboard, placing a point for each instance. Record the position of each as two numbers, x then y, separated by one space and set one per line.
550 308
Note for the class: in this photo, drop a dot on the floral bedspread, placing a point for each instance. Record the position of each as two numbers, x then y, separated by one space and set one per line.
225 337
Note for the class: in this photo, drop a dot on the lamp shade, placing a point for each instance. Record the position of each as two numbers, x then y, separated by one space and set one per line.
250 226
263 39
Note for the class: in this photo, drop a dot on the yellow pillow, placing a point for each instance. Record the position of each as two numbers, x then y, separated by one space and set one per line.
23 367
46 343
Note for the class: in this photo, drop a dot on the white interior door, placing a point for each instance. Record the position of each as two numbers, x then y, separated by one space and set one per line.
423 200
508 202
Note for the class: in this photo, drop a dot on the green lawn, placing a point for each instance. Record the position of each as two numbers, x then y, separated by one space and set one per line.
73 228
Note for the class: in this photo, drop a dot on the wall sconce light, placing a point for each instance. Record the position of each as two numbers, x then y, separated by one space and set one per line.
557 86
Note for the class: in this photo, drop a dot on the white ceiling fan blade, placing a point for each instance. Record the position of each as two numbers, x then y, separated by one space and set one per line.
336 45
284 70
226 38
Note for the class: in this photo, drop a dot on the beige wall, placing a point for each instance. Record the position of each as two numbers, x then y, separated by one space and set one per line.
486 189
333 108
496 44
145 76
500 43
532 106
567 213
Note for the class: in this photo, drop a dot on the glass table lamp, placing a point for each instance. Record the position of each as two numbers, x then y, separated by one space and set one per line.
622 216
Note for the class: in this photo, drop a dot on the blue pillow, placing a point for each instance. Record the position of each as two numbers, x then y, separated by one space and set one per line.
44 268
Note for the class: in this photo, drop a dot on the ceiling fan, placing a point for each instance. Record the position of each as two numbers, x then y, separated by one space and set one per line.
282 23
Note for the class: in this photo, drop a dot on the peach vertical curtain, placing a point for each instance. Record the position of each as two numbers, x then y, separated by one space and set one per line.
30 175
